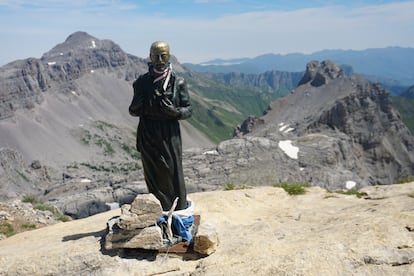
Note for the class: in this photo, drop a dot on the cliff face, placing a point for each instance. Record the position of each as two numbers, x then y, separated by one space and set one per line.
22 84
375 129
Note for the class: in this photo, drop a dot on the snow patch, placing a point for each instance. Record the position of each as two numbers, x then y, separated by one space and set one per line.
211 152
85 180
285 128
350 184
289 149
92 71
51 63
282 128
112 205
74 93
93 44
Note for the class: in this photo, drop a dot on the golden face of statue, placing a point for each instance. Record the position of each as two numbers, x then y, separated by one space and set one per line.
160 55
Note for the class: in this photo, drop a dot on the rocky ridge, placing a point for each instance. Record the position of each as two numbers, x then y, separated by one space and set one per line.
262 231
344 129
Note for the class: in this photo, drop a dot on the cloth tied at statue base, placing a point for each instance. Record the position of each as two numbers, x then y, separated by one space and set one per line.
182 223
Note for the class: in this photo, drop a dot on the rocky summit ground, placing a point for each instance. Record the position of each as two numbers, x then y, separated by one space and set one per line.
262 231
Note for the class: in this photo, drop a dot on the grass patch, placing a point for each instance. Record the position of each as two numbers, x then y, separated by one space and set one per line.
53 210
102 125
231 186
354 192
86 137
7 229
28 226
31 199
107 146
296 188
44 207
62 218
39 205
131 151
405 180
22 175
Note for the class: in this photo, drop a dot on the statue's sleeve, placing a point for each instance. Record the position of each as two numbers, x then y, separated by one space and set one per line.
136 106
185 107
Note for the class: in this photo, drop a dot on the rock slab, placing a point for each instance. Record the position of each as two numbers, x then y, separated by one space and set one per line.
137 226
263 231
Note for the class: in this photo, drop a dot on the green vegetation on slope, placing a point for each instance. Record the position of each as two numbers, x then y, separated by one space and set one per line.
406 108
218 108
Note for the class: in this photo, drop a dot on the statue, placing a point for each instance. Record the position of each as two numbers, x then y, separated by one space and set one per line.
160 100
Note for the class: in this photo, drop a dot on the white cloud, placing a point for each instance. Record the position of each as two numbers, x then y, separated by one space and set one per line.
305 30
199 39
63 5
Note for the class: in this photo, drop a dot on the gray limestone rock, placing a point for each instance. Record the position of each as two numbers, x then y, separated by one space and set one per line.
136 227
143 212
146 238
146 204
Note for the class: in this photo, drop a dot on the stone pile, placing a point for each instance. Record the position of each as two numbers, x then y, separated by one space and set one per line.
137 227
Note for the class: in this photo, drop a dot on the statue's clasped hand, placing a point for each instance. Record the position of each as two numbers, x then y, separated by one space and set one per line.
168 108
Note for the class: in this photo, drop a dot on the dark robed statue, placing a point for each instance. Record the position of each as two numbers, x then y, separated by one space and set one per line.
160 100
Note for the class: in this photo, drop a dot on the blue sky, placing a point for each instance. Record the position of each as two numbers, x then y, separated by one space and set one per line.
201 30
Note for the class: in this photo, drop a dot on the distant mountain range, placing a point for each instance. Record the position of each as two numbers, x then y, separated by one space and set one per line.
392 64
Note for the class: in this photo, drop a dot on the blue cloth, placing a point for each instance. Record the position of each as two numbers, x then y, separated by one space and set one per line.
181 226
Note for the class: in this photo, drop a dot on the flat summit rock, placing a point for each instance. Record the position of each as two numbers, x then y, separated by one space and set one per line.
262 231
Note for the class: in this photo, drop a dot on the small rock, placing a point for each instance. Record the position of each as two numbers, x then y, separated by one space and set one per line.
145 204
36 165
4 215
132 221
206 240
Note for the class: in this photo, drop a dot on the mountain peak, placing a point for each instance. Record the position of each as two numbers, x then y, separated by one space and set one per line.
79 37
74 42
319 73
